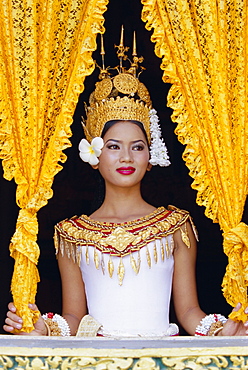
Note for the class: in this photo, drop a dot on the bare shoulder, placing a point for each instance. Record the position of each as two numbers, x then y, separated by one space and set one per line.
178 237
66 263
70 272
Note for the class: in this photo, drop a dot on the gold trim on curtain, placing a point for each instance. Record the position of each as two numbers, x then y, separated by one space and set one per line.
203 46
45 54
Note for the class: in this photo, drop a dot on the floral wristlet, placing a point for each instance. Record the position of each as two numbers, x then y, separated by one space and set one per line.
210 325
56 325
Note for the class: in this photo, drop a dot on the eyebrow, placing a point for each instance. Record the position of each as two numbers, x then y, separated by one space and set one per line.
119 141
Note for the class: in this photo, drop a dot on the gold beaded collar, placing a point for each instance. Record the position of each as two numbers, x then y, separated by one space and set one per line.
120 239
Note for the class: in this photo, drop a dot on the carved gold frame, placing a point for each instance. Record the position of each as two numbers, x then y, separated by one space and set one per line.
180 353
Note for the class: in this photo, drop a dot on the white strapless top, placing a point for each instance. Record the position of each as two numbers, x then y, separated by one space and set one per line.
138 307
127 269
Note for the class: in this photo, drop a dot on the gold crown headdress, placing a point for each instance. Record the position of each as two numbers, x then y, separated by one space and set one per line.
122 97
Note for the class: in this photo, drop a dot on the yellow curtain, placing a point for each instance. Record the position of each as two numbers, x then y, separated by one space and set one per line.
204 51
45 54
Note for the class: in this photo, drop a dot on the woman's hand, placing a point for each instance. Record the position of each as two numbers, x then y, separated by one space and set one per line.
13 322
231 327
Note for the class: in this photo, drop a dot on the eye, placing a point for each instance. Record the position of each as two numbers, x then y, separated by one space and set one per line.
113 146
138 147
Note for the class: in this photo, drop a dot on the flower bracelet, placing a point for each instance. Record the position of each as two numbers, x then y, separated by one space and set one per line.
210 325
56 325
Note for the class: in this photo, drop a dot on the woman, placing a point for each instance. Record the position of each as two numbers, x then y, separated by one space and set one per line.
120 264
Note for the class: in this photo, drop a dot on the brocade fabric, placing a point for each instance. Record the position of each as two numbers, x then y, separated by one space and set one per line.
45 54
203 46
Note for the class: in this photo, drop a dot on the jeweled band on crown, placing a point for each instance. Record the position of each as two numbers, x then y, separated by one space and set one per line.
115 109
121 97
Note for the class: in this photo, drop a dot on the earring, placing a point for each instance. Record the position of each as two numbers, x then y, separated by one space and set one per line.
149 167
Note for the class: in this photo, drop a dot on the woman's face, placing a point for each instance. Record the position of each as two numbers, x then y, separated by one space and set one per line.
125 155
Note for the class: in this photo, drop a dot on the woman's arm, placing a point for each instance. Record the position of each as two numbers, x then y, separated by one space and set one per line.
185 297
74 301
74 305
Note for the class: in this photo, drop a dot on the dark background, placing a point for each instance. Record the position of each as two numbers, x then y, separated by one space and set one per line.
75 186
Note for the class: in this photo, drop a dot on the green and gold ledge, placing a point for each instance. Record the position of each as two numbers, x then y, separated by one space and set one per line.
21 352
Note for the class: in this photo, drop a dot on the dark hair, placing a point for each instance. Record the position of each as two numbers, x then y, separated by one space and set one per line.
111 123
99 192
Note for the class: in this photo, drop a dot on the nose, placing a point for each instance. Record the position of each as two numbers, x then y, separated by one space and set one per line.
126 155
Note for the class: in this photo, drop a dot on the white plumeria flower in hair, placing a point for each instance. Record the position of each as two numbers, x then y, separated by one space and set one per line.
90 152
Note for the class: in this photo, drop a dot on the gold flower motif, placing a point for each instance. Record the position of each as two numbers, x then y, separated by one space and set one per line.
119 239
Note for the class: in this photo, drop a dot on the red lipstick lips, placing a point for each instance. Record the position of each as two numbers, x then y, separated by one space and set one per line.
126 170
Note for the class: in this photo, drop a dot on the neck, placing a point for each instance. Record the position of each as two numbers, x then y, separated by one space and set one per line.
123 199
121 205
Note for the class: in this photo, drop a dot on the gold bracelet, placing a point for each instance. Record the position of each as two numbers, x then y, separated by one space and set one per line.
53 328
217 331
48 334
215 328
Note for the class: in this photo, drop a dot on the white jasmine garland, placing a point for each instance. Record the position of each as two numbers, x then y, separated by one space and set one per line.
61 322
90 152
158 150
205 324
